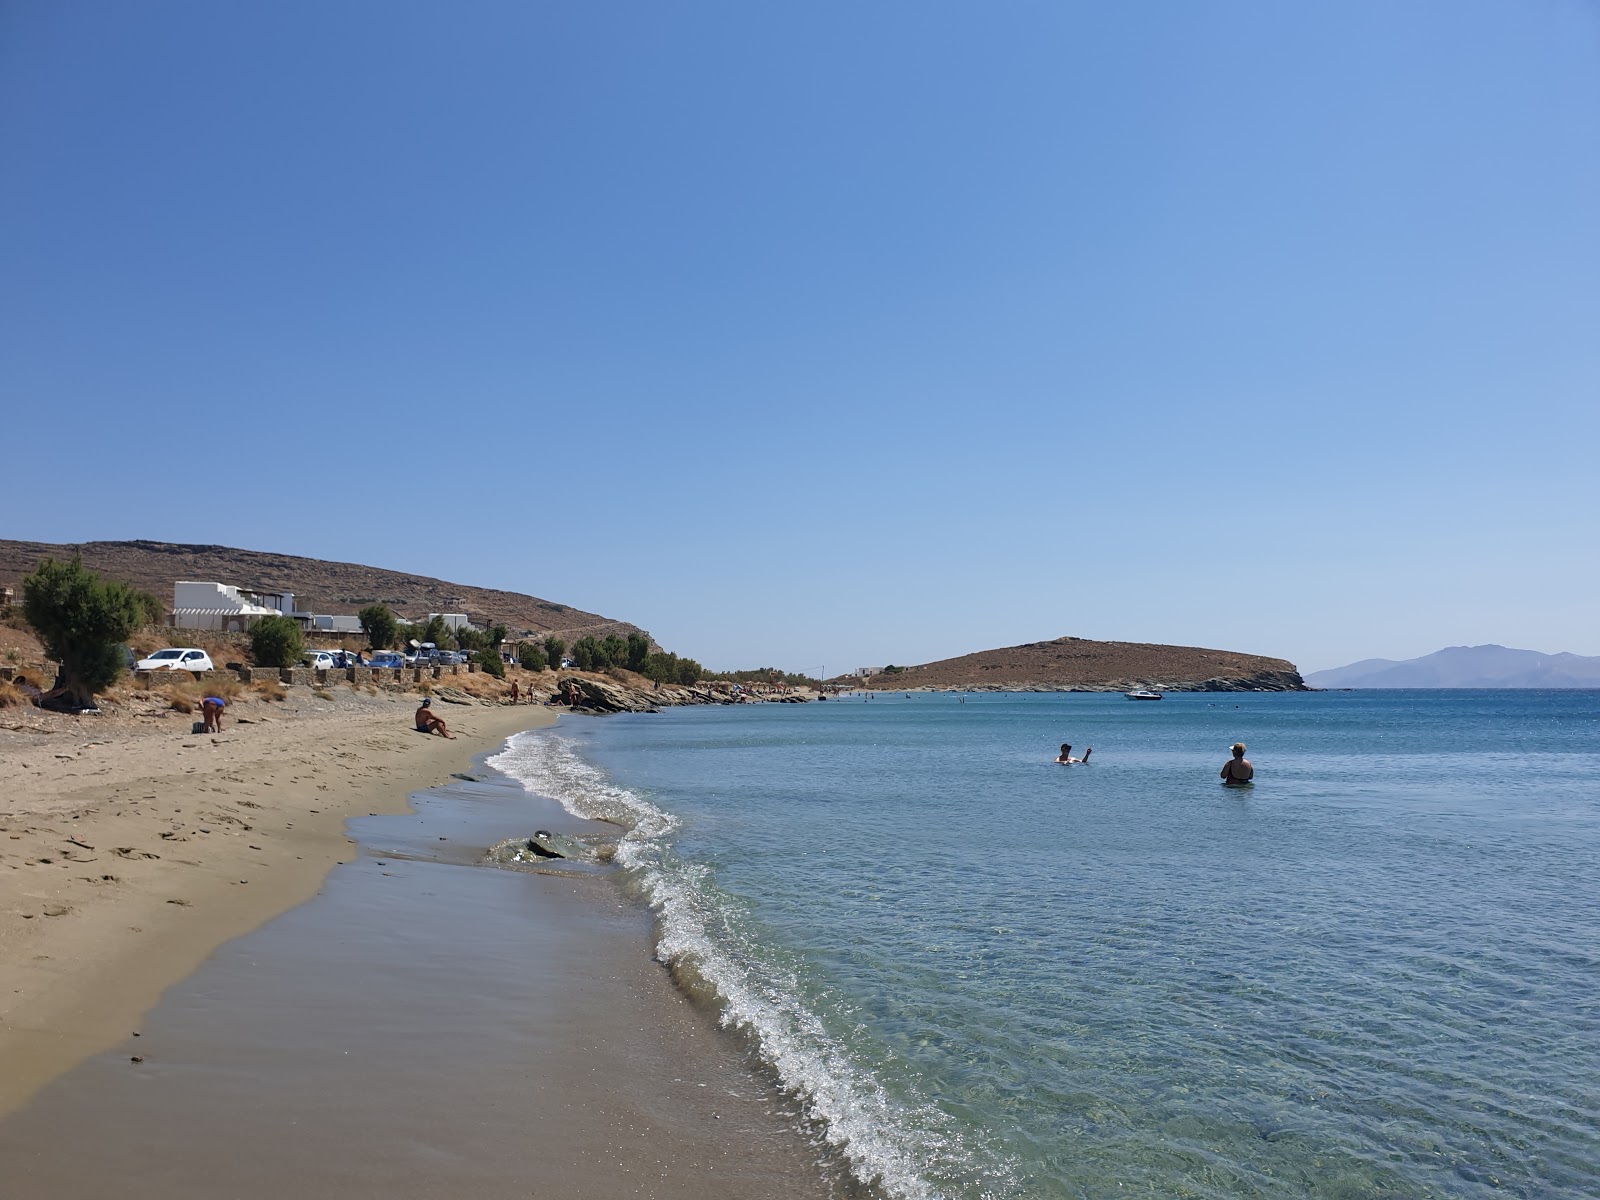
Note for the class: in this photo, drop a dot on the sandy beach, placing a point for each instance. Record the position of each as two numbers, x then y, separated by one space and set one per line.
127 856
427 1025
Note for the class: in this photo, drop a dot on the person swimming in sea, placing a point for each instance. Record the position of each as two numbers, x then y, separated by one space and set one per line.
1066 754
1237 771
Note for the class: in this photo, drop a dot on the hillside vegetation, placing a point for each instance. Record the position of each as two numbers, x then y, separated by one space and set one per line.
1076 664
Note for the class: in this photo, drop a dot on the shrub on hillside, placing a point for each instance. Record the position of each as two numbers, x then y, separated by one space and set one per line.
554 648
489 660
531 657
276 642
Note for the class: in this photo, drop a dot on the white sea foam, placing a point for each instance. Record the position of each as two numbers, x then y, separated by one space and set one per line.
888 1143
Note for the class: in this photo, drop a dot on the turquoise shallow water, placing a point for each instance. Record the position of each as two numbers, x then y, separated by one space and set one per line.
1376 973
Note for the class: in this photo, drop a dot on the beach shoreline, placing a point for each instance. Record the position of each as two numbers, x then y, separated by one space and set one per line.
429 1023
127 857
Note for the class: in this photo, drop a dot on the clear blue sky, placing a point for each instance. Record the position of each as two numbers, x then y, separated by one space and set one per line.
825 333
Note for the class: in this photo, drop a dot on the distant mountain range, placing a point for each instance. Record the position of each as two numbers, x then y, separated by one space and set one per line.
1466 667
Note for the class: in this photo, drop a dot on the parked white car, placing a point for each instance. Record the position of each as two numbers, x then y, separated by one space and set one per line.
179 659
320 660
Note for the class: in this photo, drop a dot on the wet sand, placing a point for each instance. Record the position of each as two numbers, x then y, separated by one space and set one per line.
425 1027
127 856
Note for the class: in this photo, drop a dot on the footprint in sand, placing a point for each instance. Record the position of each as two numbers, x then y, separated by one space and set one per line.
134 852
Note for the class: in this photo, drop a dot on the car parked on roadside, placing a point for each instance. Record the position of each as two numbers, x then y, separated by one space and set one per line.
320 660
181 658
385 660
426 655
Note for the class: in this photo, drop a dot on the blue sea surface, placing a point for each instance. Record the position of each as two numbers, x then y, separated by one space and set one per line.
1374 973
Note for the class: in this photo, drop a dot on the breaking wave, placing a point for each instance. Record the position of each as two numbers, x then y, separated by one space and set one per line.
893 1145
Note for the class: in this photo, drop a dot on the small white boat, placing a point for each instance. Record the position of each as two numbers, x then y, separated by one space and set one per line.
1142 694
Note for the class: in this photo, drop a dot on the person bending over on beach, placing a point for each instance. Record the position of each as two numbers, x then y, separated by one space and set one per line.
428 723
1237 770
1066 754
211 708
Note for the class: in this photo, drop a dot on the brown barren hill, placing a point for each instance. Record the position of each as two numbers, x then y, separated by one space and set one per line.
324 587
1075 664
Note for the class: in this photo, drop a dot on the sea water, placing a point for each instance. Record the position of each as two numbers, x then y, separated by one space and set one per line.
1376 972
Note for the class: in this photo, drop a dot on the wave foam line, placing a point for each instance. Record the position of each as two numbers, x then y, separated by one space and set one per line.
882 1140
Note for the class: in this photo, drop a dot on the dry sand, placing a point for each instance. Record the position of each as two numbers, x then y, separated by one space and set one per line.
127 856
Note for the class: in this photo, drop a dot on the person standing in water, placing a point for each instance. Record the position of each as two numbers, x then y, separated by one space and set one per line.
1066 754
1237 771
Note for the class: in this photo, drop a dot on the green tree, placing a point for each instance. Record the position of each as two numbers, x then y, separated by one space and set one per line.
531 657
497 634
638 651
380 626
689 671
489 660
588 655
82 621
554 648
615 649
435 631
471 640
276 642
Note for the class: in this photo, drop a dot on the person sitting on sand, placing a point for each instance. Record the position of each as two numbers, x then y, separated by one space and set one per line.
1066 754
427 722
1237 771
211 709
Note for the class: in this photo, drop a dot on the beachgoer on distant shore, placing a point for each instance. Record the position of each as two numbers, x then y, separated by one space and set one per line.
1237 771
211 709
427 722
1066 754
514 692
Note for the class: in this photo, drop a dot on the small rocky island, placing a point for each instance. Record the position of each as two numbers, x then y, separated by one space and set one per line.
1071 664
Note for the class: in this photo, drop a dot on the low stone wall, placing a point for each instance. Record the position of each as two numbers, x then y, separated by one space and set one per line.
165 676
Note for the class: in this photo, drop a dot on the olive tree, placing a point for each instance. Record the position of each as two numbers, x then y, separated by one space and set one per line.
82 621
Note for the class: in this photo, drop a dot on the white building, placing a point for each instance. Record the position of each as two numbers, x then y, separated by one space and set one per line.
868 672
324 623
451 620
218 606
